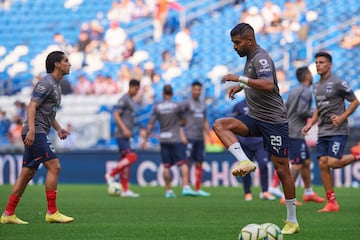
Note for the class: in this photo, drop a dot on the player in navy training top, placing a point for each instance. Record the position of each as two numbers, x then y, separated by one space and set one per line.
44 103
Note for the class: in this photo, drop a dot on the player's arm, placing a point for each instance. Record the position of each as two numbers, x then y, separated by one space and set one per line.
62 133
148 130
120 123
314 120
207 130
31 111
338 120
260 83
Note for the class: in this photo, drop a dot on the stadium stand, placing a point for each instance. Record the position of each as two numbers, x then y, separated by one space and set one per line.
27 30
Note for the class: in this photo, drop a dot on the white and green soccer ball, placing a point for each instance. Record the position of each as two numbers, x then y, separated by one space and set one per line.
252 231
273 231
114 189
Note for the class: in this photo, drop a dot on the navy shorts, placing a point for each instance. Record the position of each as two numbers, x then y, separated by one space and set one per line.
276 136
40 151
173 153
332 146
195 150
298 151
124 146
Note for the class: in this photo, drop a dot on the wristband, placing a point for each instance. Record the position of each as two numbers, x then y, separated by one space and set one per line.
244 80
242 85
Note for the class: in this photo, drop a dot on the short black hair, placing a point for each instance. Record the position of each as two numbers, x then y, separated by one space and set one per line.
134 83
324 54
301 73
196 83
167 90
52 58
243 29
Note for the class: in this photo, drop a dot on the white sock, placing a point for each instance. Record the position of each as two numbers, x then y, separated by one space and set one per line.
169 191
291 210
186 187
238 152
308 191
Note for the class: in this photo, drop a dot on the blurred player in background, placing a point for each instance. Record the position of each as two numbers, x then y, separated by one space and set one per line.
331 115
196 124
45 100
172 138
124 117
298 105
254 149
266 118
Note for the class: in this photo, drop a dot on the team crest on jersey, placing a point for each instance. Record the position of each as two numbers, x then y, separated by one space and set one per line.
40 89
263 62
329 87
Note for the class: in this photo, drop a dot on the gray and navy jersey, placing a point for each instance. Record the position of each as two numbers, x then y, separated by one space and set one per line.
195 115
265 106
299 110
126 108
330 95
169 114
47 93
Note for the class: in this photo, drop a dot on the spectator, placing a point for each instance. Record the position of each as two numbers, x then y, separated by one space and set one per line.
5 123
61 44
254 19
83 86
115 38
121 11
124 76
110 86
169 66
83 46
141 10
352 38
96 34
100 84
20 110
271 14
15 132
184 47
129 49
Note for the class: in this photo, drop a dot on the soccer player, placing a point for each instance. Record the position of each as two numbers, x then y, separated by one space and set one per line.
254 149
196 124
299 110
266 117
172 147
45 100
124 118
331 115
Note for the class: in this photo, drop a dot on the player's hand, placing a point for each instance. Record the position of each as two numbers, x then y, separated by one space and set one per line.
305 129
127 133
30 137
229 78
336 120
63 134
233 91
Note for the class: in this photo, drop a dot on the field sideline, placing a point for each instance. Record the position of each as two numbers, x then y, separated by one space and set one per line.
99 216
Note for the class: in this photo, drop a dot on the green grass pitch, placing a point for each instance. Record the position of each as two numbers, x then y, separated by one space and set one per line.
221 216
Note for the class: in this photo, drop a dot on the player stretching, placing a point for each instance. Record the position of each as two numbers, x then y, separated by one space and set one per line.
330 113
45 100
172 148
266 118
124 118
196 125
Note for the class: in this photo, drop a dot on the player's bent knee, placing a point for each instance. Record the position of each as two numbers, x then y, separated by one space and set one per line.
132 156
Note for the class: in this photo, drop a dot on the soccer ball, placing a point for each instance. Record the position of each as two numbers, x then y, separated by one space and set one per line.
114 189
252 231
273 231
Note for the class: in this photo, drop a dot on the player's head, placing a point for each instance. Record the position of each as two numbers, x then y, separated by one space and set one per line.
196 89
323 62
303 74
134 86
167 91
243 37
57 60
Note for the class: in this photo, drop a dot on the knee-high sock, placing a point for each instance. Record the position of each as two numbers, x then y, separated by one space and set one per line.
51 201
11 205
198 176
126 161
124 178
